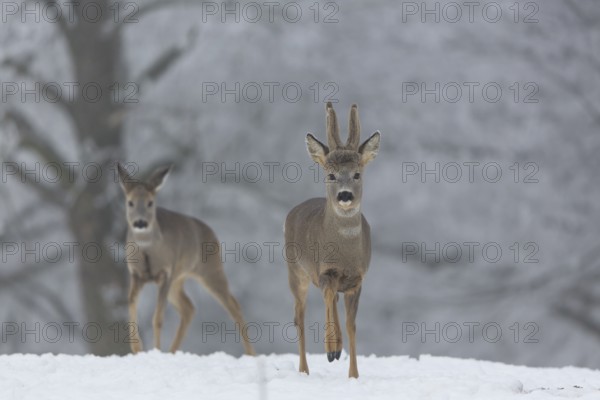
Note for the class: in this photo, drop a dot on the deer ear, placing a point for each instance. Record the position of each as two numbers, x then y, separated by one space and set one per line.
369 149
317 150
125 180
159 177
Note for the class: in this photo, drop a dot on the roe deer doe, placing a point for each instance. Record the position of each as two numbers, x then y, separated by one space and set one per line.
171 247
336 221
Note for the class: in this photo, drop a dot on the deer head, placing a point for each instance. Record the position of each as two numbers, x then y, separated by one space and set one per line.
139 197
343 163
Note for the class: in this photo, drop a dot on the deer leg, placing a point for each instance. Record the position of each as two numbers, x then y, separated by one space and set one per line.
299 289
135 286
329 284
184 307
159 313
217 285
338 330
235 311
351 303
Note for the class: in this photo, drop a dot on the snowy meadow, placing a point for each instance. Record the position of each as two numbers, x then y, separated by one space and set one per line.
484 273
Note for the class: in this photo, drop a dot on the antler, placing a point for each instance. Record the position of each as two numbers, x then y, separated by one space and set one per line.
333 130
353 129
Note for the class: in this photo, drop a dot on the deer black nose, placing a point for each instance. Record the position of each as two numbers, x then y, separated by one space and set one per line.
345 196
140 224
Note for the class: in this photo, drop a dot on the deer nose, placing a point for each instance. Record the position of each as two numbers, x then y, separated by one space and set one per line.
140 224
345 196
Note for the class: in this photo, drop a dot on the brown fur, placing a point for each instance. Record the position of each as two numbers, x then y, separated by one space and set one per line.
339 231
174 248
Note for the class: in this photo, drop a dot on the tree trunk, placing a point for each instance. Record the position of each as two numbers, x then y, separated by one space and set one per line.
96 58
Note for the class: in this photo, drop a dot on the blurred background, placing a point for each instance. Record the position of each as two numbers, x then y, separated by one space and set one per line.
482 201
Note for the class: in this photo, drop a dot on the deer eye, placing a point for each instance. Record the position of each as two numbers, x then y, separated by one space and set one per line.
331 177
150 203
130 203
357 176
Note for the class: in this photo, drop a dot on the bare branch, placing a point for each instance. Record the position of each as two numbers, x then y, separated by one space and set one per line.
31 139
166 60
23 67
161 64
43 191
152 6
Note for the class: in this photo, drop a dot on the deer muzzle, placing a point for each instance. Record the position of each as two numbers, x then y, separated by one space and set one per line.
345 198
140 224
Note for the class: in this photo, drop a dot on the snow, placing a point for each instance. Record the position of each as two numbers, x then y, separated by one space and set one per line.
369 54
156 375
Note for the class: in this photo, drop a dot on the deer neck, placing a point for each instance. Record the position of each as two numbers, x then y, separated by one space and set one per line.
344 225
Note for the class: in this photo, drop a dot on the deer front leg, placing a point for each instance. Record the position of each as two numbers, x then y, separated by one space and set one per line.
329 285
351 302
157 320
135 286
299 289
338 330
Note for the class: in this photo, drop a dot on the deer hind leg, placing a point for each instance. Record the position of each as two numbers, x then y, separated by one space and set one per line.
328 283
184 307
299 288
351 303
217 285
159 313
135 286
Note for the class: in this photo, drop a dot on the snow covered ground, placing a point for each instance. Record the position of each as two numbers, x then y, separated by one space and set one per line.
183 376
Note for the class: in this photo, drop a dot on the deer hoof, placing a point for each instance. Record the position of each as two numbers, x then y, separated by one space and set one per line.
331 356
337 355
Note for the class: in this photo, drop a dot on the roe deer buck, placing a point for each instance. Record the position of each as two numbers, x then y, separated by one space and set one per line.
336 221
171 247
